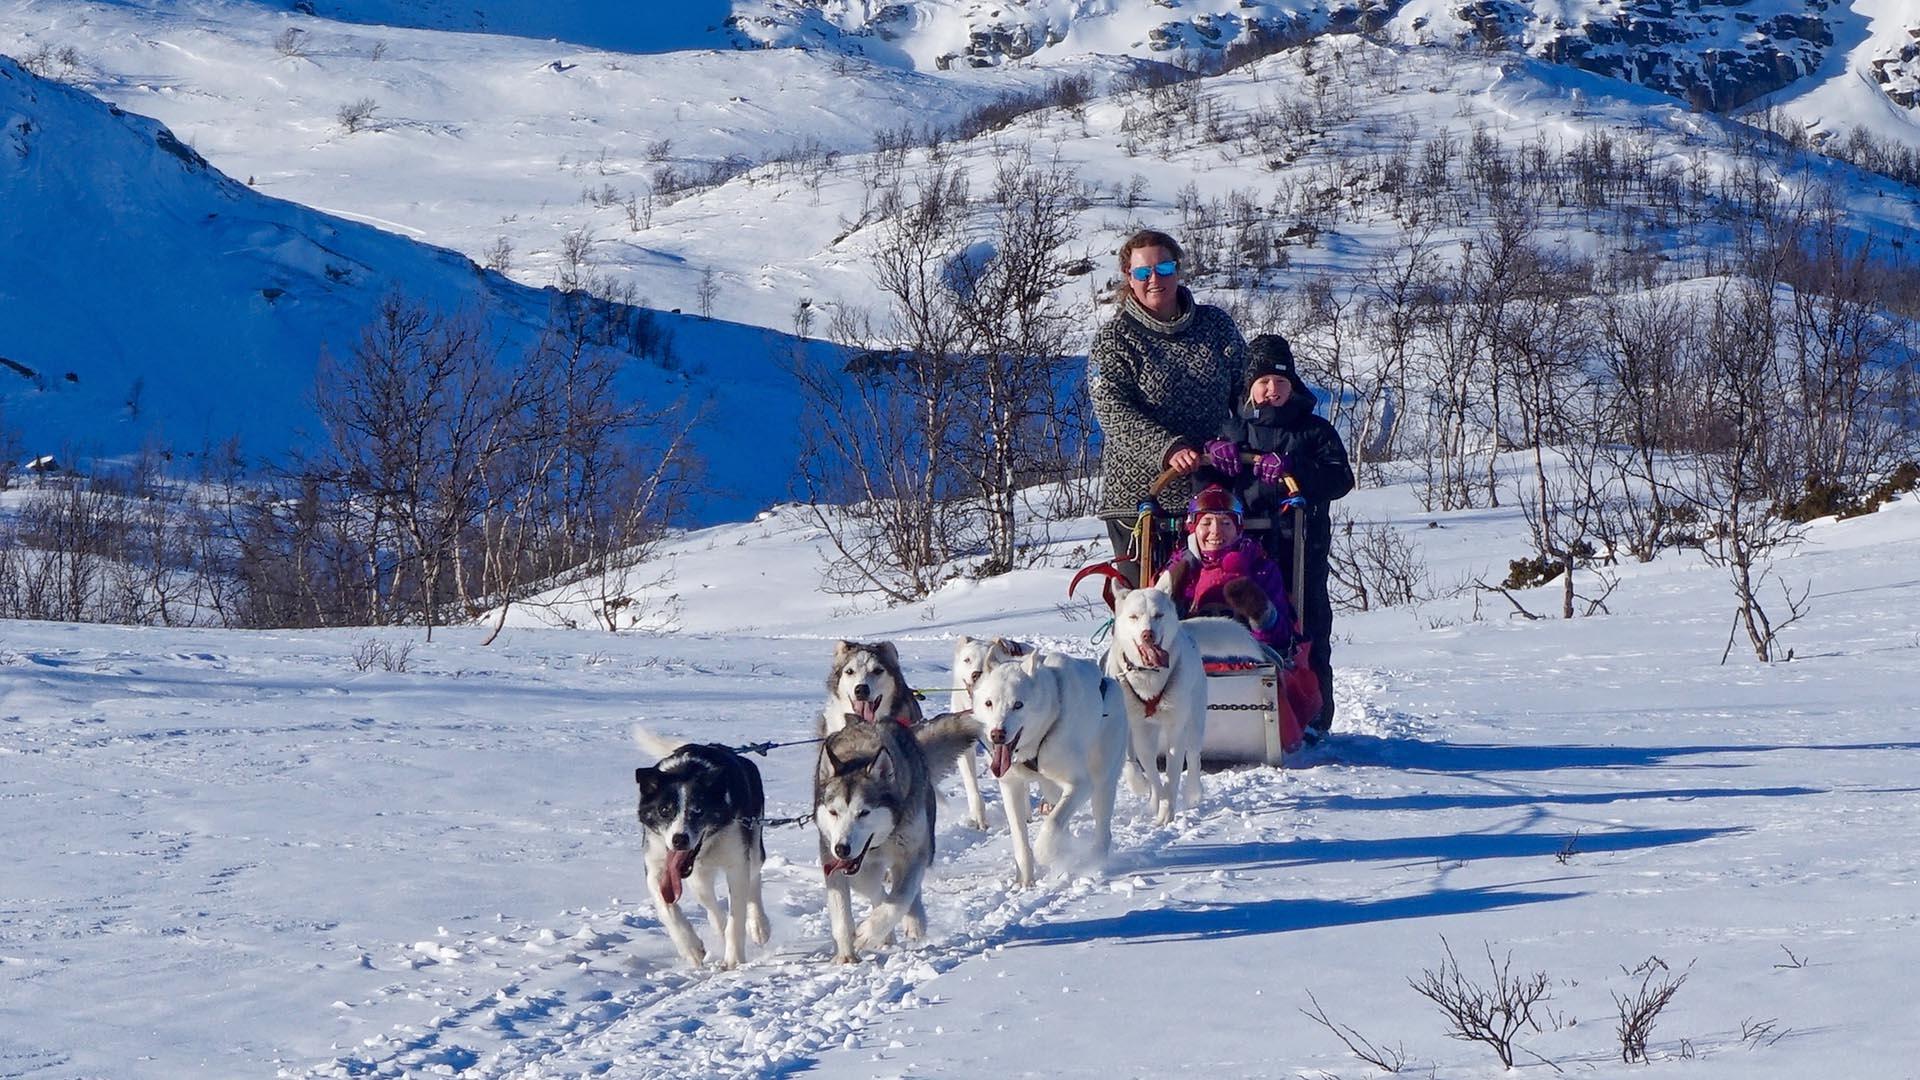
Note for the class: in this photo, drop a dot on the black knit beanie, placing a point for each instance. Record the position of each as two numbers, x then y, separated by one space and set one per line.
1269 354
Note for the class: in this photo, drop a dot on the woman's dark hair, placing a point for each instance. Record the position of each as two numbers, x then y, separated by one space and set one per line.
1145 238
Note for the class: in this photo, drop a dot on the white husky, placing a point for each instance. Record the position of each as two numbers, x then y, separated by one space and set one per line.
1156 659
972 658
1050 718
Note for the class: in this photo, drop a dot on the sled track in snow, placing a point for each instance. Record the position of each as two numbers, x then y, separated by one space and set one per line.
787 1004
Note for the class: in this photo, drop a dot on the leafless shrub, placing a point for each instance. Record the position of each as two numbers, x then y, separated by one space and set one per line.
1387 1059
378 51
1758 1033
370 653
1792 961
290 42
48 62
705 291
499 257
1568 850
1493 1015
1374 565
355 115
1639 1009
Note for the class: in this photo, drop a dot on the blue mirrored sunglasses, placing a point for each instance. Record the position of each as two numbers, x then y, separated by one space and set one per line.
1164 269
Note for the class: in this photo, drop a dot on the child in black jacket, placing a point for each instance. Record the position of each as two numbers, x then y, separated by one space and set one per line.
1276 421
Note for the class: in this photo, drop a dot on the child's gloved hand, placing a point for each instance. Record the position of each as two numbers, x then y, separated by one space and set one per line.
1272 468
1224 456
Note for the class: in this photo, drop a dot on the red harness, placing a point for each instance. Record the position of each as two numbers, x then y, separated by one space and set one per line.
1152 704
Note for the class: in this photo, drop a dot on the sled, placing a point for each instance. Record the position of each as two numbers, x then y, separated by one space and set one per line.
1256 705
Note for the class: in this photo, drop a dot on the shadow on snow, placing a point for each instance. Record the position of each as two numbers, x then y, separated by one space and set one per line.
1276 915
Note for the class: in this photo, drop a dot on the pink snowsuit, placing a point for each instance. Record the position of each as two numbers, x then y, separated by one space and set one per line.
1203 589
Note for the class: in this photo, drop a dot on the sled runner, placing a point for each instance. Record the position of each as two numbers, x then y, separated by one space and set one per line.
1256 704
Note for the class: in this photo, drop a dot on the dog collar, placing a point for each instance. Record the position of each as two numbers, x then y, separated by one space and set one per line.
1150 704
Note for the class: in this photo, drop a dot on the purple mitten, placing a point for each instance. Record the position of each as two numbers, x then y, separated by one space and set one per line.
1224 456
1272 469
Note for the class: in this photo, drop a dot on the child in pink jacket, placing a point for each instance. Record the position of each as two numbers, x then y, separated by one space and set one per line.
1224 571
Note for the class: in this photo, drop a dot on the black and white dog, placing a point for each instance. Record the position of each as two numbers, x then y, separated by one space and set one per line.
702 812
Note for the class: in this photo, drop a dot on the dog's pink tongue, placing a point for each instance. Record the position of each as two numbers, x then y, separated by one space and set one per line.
869 710
1151 654
1002 759
679 865
837 866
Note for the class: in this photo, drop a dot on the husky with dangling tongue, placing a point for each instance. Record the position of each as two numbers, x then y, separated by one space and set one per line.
1052 719
875 805
702 812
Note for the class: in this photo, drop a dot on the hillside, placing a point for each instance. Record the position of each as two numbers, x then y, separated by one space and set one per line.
288 863
749 177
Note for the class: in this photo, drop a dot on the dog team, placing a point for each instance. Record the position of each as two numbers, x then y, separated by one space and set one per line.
1049 720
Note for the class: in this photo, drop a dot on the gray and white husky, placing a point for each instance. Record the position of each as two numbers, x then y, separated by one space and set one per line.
1052 719
866 684
875 806
702 815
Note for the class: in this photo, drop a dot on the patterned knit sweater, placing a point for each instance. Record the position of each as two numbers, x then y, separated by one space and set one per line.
1156 387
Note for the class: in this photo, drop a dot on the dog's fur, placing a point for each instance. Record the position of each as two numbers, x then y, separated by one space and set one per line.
875 806
866 683
972 658
702 813
1156 659
1051 718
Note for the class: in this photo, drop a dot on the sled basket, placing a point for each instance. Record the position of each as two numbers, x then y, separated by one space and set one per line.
1248 719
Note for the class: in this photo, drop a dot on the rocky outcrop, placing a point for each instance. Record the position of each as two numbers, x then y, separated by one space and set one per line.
1899 73
1715 54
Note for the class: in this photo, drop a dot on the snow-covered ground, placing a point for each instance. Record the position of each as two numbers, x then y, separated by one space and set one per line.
237 854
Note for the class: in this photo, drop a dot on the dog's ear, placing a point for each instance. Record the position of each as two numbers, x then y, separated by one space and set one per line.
891 654
884 769
829 765
841 650
1120 590
965 641
1009 648
1030 663
648 778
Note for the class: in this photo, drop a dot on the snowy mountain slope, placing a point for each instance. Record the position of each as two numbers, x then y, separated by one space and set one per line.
503 148
617 27
149 293
1871 79
284 865
147 299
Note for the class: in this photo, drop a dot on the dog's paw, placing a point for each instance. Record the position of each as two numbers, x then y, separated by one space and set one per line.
845 958
757 926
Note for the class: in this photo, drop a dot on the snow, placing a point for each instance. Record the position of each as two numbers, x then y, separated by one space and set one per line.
482 137
236 854
248 854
